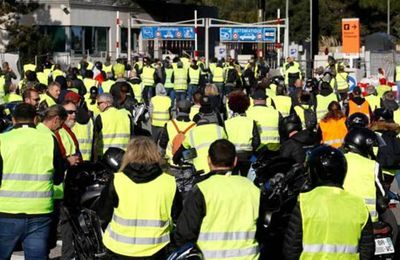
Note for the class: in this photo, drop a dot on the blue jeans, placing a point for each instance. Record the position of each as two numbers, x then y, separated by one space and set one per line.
191 90
180 95
171 94
33 232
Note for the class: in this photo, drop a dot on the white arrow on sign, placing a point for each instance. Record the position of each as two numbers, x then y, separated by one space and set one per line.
247 37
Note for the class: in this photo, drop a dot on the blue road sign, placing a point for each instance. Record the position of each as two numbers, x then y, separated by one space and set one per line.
269 35
247 34
167 33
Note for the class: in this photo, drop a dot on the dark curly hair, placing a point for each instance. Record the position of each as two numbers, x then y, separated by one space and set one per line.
238 102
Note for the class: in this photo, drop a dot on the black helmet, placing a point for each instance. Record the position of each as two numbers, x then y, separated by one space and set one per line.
113 158
188 251
357 120
289 124
383 114
98 65
327 165
361 141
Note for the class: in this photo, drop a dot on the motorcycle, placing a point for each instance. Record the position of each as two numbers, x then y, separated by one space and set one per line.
280 181
384 248
83 186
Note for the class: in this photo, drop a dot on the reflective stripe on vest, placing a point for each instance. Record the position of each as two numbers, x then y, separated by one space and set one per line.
26 177
26 194
139 222
334 142
324 248
137 240
209 254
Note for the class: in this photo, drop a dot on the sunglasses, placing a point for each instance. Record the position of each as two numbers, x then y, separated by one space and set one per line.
36 99
71 112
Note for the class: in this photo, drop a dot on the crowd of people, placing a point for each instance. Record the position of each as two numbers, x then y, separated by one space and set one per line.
185 177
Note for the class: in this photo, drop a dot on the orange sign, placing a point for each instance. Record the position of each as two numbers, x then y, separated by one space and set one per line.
351 35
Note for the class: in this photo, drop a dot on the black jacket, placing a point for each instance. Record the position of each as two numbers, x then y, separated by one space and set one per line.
293 242
295 147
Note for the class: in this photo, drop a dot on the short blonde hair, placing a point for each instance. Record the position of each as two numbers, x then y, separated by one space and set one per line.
211 90
141 150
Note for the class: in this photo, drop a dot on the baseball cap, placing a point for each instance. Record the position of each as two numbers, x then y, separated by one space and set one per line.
259 94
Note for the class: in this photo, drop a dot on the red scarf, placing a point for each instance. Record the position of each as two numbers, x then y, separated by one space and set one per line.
72 135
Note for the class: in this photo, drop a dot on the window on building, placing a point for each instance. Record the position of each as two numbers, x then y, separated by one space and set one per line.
77 39
57 35
101 36
124 39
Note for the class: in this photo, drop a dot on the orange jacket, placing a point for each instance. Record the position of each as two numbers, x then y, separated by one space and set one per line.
333 132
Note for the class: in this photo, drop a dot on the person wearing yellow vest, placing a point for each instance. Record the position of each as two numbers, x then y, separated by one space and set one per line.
372 98
51 96
200 138
242 131
328 222
88 81
332 127
195 109
194 78
282 102
292 72
119 68
221 212
303 105
113 127
341 83
12 95
218 78
362 178
358 104
160 111
26 191
136 86
140 205
180 79
107 84
148 77
57 72
29 67
323 99
267 119
168 84
107 66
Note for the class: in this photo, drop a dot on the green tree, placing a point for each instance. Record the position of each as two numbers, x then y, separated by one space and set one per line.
27 40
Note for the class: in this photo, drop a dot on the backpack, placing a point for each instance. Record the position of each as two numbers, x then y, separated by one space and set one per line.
178 139
231 76
310 118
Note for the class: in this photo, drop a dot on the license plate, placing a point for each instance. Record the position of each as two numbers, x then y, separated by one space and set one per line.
383 246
